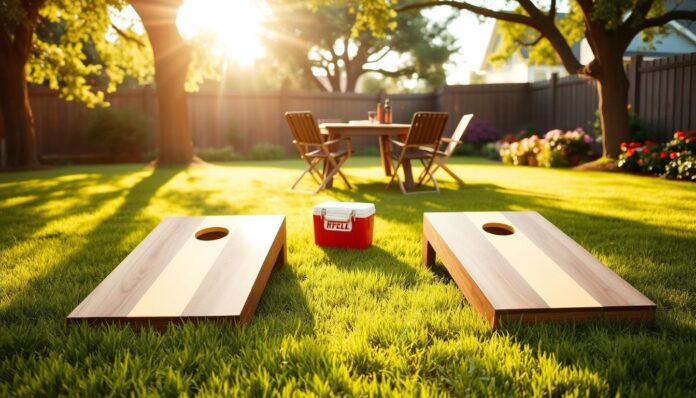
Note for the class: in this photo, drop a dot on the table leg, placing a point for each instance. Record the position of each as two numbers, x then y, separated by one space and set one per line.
328 167
408 175
384 154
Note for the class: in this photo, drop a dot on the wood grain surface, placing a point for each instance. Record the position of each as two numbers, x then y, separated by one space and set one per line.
536 273
172 276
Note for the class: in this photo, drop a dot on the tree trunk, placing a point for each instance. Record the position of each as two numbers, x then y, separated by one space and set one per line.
612 88
172 57
17 121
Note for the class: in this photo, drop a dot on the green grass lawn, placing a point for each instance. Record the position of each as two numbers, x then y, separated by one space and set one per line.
335 321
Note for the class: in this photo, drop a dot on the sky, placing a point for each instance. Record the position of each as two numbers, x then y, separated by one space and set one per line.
472 38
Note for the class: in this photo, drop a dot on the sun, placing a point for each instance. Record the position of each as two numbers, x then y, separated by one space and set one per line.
234 26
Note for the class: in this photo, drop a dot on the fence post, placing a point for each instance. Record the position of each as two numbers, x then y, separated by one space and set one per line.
553 86
634 81
3 154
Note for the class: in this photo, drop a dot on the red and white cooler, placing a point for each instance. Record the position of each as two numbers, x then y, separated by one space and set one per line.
344 224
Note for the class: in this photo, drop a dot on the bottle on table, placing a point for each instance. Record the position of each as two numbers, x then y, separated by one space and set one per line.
380 113
387 112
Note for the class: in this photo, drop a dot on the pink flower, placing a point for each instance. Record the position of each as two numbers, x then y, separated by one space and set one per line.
553 134
587 139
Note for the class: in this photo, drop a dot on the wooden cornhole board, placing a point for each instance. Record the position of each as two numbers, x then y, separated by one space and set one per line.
187 269
527 269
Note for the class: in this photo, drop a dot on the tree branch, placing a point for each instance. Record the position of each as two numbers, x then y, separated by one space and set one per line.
380 56
666 17
390 73
536 19
486 12
529 43
126 36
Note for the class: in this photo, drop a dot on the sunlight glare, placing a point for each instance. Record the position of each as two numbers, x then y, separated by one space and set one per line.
235 26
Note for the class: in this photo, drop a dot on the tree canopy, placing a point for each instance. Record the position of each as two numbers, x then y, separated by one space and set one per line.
327 38
78 50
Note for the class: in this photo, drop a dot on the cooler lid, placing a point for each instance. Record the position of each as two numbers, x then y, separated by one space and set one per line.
344 209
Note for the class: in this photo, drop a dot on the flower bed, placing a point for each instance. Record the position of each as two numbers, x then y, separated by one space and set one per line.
675 159
555 149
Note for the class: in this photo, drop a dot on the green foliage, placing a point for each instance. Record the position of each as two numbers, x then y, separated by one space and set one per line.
234 135
515 36
307 36
265 151
338 322
224 154
79 53
119 130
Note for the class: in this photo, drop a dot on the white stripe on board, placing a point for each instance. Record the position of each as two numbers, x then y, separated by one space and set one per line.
175 286
555 286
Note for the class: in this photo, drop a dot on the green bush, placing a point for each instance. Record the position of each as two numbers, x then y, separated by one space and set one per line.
265 151
119 131
234 136
367 151
224 154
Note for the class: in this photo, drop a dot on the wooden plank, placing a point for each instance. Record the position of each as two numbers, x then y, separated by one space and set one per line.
527 269
188 269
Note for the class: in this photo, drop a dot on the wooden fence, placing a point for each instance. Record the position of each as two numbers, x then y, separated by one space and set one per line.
663 92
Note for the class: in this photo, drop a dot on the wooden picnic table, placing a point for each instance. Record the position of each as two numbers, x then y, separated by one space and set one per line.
382 131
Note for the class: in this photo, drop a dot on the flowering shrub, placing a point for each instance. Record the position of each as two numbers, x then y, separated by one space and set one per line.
556 149
675 159
480 132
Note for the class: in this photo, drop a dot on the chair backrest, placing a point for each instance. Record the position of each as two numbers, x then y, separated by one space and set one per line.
426 129
458 133
303 127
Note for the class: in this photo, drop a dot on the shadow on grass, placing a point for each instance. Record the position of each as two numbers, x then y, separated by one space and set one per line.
53 294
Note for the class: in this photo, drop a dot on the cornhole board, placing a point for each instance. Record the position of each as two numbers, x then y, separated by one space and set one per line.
190 269
518 266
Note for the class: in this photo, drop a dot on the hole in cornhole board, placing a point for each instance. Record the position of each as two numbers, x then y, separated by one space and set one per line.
212 233
497 228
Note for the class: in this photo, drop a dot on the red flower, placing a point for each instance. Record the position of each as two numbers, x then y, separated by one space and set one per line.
630 152
634 145
646 149
679 135
663 155
650 143
623 146
640 162
673 155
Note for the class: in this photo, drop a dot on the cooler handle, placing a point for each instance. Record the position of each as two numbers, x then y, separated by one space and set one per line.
350 217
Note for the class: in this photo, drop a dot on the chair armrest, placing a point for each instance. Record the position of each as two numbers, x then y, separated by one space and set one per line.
349 143
337 140
397 143
447 139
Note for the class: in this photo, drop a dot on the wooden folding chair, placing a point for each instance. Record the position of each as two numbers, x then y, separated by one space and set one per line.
421 143
314 149
442 155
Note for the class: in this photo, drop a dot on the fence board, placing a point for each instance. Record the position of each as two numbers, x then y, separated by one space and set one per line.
665 100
